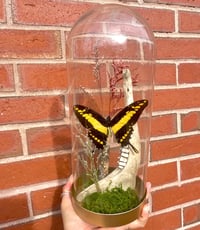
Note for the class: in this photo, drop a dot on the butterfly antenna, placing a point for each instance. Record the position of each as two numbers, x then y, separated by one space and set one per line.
134 149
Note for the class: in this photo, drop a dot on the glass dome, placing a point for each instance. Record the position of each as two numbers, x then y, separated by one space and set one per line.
110 59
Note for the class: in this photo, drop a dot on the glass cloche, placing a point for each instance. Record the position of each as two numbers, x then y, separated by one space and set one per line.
110 60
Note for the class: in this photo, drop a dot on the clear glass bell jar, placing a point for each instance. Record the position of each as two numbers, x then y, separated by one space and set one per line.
110 60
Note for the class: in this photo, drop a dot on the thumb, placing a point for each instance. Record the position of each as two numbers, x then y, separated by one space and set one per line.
66 194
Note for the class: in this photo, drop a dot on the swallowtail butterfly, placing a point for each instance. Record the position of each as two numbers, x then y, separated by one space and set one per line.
121 124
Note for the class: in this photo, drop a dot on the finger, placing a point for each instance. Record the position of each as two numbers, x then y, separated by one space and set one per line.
145 212
66 194
148 187
66 191
68 185
142 220
149 197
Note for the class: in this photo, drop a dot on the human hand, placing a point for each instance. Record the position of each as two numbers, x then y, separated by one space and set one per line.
71 220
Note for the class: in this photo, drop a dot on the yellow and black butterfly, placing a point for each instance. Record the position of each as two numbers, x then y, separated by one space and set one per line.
121 124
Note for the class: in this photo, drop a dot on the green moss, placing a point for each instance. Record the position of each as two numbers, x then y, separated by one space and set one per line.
115 200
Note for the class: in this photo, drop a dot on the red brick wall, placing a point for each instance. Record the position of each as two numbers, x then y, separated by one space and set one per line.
34 127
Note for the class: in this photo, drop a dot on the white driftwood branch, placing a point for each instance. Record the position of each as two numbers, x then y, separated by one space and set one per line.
127 175
128 95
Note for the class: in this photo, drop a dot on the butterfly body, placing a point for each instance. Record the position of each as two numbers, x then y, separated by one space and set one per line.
121 124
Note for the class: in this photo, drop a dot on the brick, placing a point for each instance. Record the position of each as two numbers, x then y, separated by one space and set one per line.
31 109
13 208
190 121
157 19
119 22
191 214
177 2
163 125
51 222
176 195
2 11
29 44
63 13
45 139
106 47
43 77
178 48
189 22
169 220
34 171
6 79
83 74
162 174
148 51
165 74
175 147
189 73
176 99
190 168
46 200
10 144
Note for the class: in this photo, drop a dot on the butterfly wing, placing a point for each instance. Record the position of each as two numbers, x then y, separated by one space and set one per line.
95 124
122 123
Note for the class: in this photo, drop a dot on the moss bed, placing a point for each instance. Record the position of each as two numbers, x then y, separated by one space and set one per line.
115 200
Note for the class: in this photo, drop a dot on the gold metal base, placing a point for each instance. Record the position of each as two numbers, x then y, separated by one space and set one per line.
109 220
